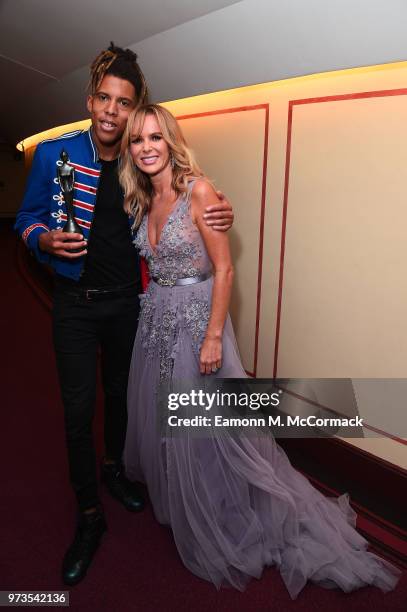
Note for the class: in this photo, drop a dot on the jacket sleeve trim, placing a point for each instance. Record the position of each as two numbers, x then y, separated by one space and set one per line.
32 227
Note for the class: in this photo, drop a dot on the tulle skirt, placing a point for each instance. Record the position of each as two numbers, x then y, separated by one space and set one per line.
234 502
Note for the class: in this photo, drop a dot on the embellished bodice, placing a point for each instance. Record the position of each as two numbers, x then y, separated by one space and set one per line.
180 251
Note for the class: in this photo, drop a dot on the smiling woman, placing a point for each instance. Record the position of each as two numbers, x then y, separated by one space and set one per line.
234 502
149 147
154 144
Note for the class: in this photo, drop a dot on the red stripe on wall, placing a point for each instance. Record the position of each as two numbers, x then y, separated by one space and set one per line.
223 111
383 93
291 104
261 235
239 109
283 230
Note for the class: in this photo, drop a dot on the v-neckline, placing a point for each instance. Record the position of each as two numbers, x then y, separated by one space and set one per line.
154 249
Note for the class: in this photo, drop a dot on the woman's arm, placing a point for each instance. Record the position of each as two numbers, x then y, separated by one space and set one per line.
217 245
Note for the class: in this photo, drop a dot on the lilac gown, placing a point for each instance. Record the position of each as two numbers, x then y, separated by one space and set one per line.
235 504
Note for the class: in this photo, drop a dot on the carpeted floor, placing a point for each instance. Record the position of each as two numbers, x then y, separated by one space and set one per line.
137 567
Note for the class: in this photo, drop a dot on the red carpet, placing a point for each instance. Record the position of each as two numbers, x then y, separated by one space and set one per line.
137 567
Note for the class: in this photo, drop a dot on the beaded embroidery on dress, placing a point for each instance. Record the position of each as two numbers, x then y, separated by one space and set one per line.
235 504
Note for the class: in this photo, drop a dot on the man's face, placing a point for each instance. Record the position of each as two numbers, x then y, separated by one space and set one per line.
110 107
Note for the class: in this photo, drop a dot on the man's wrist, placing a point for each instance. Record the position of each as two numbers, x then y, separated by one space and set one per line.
40 240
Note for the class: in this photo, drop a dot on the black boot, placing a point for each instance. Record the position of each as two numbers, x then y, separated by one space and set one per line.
79 555
120 488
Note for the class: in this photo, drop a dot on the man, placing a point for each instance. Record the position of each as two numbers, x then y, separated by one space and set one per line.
97 286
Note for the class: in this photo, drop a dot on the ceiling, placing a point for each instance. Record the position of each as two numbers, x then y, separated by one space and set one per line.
44 40
56 37
185 47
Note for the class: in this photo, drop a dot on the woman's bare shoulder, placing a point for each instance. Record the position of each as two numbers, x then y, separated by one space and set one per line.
203 191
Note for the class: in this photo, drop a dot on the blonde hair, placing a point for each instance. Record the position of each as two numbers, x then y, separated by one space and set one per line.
137 185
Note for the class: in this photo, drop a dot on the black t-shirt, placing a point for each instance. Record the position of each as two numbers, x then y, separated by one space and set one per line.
112 259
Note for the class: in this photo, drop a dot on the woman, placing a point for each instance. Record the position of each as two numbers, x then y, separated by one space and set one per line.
235 504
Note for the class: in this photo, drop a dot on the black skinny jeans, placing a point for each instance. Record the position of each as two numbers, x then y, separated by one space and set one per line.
80 327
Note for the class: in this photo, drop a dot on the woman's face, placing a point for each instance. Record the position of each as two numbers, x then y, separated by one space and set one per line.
149 150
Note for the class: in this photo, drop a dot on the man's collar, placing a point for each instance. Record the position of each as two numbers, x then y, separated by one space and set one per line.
93 147
95 152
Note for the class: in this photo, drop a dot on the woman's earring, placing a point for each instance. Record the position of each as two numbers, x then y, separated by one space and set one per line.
172 160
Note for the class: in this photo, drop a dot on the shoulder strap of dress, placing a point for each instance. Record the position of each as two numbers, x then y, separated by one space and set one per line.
188 195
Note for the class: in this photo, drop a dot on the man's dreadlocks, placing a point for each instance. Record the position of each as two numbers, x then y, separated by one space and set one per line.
121 63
